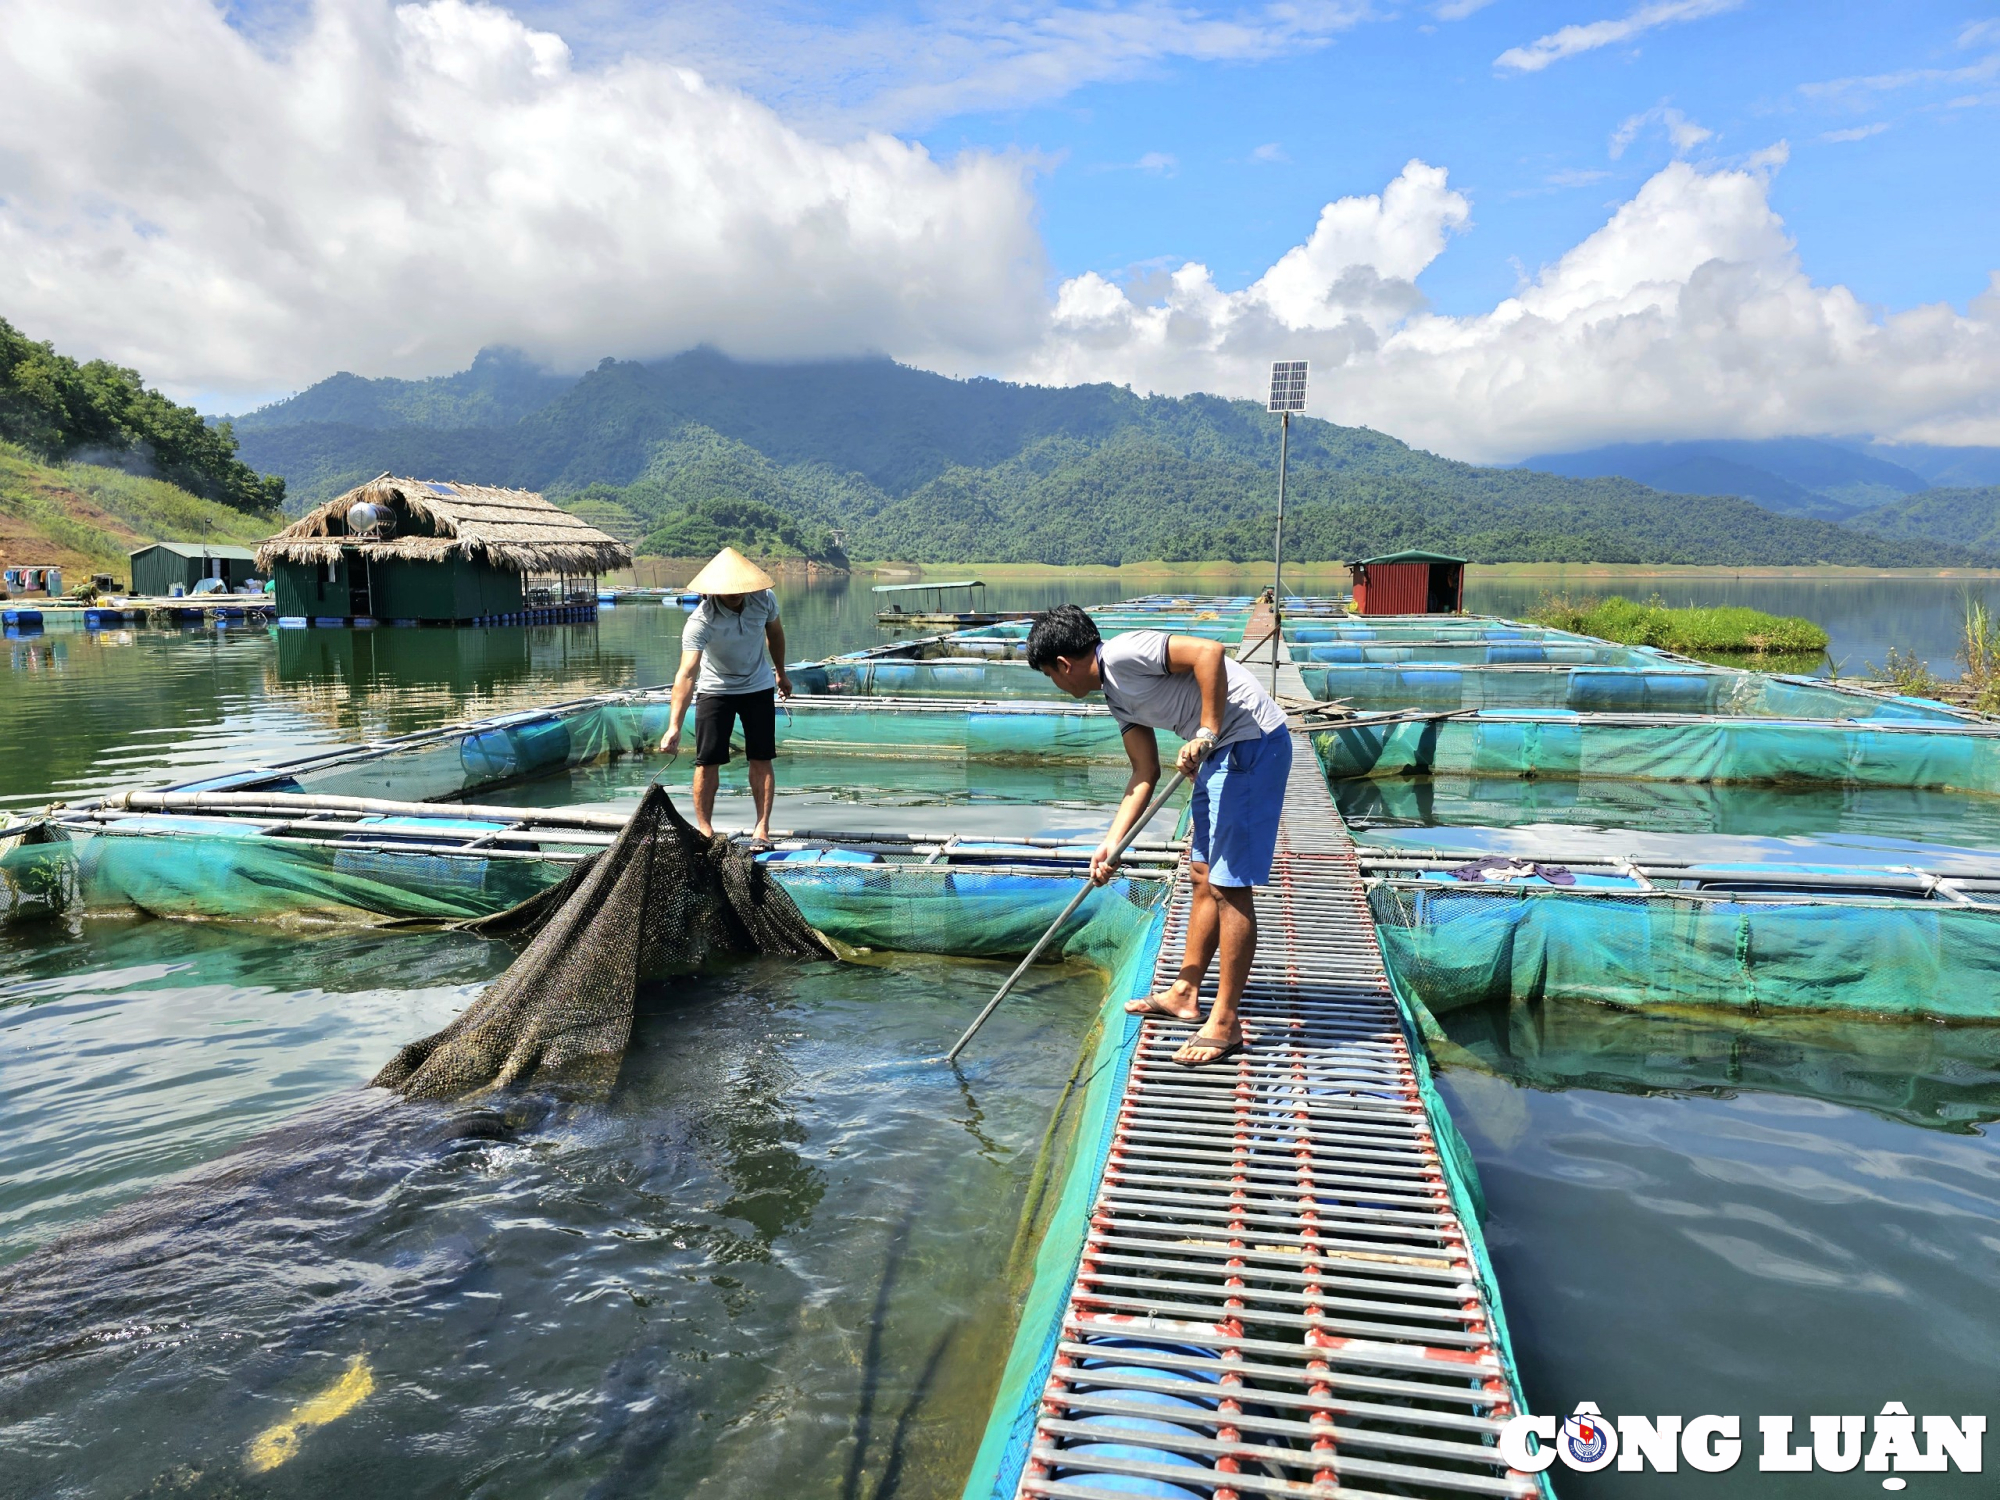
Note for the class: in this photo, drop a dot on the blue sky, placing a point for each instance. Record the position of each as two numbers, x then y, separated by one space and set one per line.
1903 215
1906 215
1495 228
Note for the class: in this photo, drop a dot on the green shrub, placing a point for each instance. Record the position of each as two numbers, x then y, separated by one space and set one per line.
1695 630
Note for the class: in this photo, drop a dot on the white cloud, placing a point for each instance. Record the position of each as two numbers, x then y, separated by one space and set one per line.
1683 132
387 190
1458 10
1334 296
1570 177
1858 133
906 68
1855 89
1270 153
1686 315
1570 41
397 187
1159 163
1979 34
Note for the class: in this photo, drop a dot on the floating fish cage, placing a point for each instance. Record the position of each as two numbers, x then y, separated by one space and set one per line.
393 828
1663 687
990 661
1389 629
1902 745
1734 935
1670 837
1265 1277
1478 653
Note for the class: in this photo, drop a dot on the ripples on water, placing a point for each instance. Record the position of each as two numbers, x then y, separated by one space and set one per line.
1742 1252
773 1263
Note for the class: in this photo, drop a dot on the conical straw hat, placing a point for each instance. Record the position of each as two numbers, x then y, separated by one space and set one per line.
730 572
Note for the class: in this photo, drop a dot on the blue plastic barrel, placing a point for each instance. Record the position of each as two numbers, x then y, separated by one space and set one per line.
1431 687
1606 691
1680 692
1107 1373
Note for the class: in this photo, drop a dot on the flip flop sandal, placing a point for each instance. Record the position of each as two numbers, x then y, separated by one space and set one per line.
1223 1050
1150 1009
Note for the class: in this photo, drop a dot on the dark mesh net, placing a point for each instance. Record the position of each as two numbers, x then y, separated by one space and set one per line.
661 898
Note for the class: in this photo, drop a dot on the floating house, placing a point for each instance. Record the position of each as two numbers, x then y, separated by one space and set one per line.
1408 583
423 551
156 569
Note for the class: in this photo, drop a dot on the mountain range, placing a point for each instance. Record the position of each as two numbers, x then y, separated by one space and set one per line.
873 460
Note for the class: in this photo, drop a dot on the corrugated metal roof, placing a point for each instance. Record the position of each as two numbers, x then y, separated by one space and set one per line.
1413 556
200 549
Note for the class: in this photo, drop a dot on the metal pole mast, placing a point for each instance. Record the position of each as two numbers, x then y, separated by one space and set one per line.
1278 569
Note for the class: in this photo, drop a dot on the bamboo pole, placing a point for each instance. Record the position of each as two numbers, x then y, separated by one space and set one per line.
1160 801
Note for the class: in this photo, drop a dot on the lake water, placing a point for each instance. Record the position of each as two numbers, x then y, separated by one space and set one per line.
1864 616
85 712
774 1263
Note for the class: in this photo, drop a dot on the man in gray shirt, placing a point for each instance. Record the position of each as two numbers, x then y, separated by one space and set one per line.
726 669
1237 751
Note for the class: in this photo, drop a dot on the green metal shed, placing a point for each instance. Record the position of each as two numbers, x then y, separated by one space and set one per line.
156 569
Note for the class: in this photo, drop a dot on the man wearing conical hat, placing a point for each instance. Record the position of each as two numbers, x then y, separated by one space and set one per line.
733 667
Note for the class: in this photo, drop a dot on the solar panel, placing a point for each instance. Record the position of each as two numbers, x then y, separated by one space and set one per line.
1288 385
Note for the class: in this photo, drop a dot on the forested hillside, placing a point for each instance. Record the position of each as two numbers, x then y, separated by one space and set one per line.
58 410
901 464
1962 517
1792 476
86 518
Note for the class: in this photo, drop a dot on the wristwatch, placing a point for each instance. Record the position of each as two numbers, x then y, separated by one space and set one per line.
1205 733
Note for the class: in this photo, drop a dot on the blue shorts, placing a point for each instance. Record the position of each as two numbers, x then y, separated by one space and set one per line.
1239 793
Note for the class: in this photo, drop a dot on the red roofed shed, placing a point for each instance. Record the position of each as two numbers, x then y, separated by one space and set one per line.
1409 583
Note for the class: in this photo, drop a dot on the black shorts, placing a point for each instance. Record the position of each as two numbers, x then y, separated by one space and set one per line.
715 716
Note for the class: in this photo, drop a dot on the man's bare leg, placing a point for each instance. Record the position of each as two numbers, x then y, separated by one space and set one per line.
706 780
1182 998
763 793
1237 918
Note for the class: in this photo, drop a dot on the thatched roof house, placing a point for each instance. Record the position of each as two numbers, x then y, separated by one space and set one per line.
513 529
450 552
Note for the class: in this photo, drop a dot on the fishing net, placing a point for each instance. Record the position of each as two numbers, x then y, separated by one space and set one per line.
1557 745
1470 653
661 898
37 871
1450 946
1392 686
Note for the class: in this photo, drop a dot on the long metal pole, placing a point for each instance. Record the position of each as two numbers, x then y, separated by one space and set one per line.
1278 571
1173 785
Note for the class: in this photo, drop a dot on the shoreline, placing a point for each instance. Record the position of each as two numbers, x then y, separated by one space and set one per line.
1474 572
655 572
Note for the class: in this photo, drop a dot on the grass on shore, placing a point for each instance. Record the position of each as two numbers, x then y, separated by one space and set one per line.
91 516
1978 653
1722 630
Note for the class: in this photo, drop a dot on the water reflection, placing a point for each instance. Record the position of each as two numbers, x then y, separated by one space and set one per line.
769 1265
1864 616
1667 807
1941 1077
